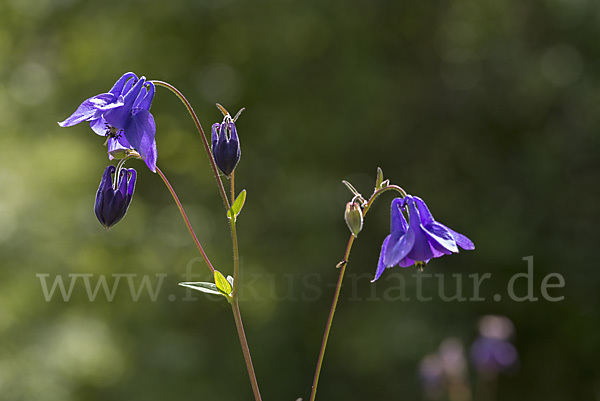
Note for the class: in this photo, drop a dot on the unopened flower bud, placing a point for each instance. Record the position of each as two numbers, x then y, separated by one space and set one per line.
354 217
225 146
113 198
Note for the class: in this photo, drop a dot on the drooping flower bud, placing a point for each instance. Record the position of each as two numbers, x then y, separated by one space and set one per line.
114 195
354 218
225 145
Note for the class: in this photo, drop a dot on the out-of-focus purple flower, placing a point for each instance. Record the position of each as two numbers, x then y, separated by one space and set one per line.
492 352
491 355
453 357
496 326
418 241
225 145
122 114
432 376
114 195
444 374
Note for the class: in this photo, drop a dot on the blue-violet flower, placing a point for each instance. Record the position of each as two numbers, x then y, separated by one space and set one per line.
492 352
225 145
114 195
418 241
122 114
493 355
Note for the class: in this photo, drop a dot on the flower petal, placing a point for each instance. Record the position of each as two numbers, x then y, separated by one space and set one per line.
399 247
144 99
406 262
104 194
113 104
99 126
401 241
87 110
440 238
117 88
421 250
424 213
381 265
140 133
397 221
118 117
131 183
216 128
462 240
427 218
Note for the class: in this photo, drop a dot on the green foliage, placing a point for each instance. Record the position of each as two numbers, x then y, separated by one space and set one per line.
223 285
237 206
202 286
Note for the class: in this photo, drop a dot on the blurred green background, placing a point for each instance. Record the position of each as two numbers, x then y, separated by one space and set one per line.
486 109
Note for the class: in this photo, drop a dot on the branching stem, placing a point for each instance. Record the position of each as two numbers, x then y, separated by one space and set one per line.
342 266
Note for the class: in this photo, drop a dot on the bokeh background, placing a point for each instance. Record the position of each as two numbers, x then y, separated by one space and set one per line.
486 109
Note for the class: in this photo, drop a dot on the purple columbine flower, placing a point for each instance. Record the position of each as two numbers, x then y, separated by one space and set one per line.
418 241
225 145
122 114
114 195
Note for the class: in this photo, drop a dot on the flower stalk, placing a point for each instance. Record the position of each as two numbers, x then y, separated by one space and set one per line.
234 296
342 266
186 220
336 296
235 307
213 165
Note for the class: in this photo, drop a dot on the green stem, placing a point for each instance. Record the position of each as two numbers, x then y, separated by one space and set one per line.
185 219
236 311
380 191
245 350
236 256
202 135
336 296
338 287
232 185
236 260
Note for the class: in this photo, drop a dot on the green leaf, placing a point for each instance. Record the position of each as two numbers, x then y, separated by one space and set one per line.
379 178
209 288
236 208
222 284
